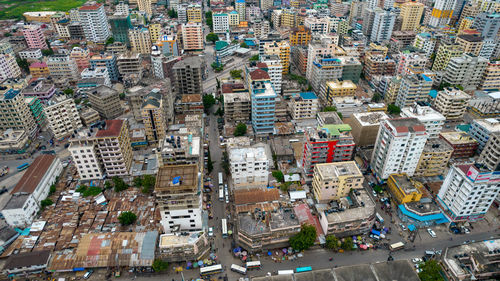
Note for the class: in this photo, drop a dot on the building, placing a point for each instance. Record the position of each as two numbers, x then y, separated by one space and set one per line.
470 44
485 105
332 181
325 68
81 57
192 36
39 16
234 19
411 14
488 24
272 65
27 263
330 143
9 67
300 36
177 193
89 116
43 89
155 31
434 159
249 166
378 65
188 75
444 54
106 101
62 66
332 89
130 67
36 110
13 140
240 7
317 25
413 88
451 103
466 71
15 113
30 190
99 72
237 107
432 119
410 62
120 24
490 154
403 189
34 37
383 24
441 12
491 77
464 146
177 248
365 127
62 117
351 69
108 61
122 8
482 129
398 147
327 45
189 104
94 22
280 49
193 13
39 70
304 106
468 191
140 40
145 6
261 28
153 117
426 42
102 151
263 99
220 23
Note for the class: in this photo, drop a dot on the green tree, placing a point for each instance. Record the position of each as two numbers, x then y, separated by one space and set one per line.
48 52
110 41
68 92
393 109
137 181
52 189
78 100
254 58
225 163
210 164
304 239
339 114
443 85
430 271
240 130
23 64
7 34
332 242
127 218
347 244
212 37
45 203
243 45
172 14
217 67
278 175
376 97
108 185
219 112
159 265
329 109
148 183
236 73
119 184
208 19
208 102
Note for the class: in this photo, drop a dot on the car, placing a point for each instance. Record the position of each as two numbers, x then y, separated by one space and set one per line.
374 193
419 270
466 230
416 260
403 227
88 274
431 233
210 232
227 199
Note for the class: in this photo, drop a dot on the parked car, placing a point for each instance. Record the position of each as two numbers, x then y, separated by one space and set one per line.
416 260
88 274
431 233
403 227
374 193
210 232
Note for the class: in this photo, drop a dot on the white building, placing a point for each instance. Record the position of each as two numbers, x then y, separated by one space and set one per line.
274 69
304 106
32 188
249 166
413 88
398 147
432 119
98 72
157 62
94 22
9 67
122 8
318 25
481 129
468 191
220 22
31 54
383 24
62 116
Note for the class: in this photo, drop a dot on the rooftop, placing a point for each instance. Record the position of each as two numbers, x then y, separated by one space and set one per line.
437 145
455 137
25 260
259 74
112 129
308 96
189 62
255 195
454 93
177 240
422 112
363 208
191 98
258 222
245 154
490 124
236 97
177 177
404 183
338 169
405 125
341 84
34 174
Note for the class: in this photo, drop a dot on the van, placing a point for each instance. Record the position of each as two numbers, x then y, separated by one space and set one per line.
87 274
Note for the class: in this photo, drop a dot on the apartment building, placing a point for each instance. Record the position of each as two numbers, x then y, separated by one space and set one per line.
451 103
193 13
488 24
237 107
13 140
137 94
15 113
89 116
188 75
426 42
106 101
261 28
337 140
398 147
155 31
272 65
365 127
33 35
99 72
220 23
62 66
491 77
378 65
36 110
464 145
470 44
304 106
281 49
317 25
325 45
120 24
145 6
411 14
410 62
177 248
62 117
130 67
434 159
432 119
249 166
468 192
466 71
325 68
183 146
482 129
444 54
189 104
94 22
332 181
263 99
9 67
383 24
102 151
240 7
332 89
351 68
176 191
234 19
441 12
403 189
140 40
490 156
413 88
192 36
108 61
81 57
300 36
39 70
153 117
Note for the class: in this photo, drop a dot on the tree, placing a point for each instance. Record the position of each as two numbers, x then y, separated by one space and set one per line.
208 102
376 97
208 19
332 242
47 52
210 164
225 163
137 182
443 85
339 114
148 182
219 112
347 244
68 92
52 189
254 58
23 64
119 184
217 67
108 185
212 37
127 218
241 130
45 203
278 175
393 109
172 14
7 34
236 73
430 271
243 45
329 109
110 41
304 239
159 265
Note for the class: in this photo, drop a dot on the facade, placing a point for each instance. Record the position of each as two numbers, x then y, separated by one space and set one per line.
153 117
464 146
106 101
34 37
317 25
451 103
39 70
15 113
403 189
332 181
62 117
100 72
332 89
398 147
130 67
383 24
411 13
280 49
432 120
413 88
9 67
145 6
376 65
188 76
488 24
193 13
120 24
434 159
63 67
444 54
31 54
471 44
263 99
192 36
237 107
94 22
108 61
351 69
304 106
491 77
325 68
240 7
466 71
220 22
300 36
441 12
272 65
490 156
36 110
468 192
426 42
482 129
365 127
81 57
41 88
140 40
249 166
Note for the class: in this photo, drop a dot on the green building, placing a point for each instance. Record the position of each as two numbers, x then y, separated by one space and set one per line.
120 24
36 110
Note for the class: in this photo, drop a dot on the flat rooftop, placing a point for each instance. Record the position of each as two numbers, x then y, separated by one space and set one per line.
177 177
259 223
236 97
455 138
422 113
341 84
479 257
351 214
247 154
370 118
177 240
338 169
405 125
437 145
492 125
404 183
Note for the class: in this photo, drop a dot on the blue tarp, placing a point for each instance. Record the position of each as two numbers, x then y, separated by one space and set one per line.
376 232
176 180
79 269
411 227
439 218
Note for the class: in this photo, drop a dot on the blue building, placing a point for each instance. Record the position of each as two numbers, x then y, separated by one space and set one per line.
263 102
108 61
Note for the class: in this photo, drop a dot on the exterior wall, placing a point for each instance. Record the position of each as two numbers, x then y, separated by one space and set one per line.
22 217
187 219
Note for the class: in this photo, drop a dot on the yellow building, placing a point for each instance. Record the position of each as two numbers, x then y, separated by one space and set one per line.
281 49
392 90
194 13
154 32
411 13
434 158
153 117
145 6
332 181
140 41
336 88
39 16
403 189
470 43
234 18
465 24
444 54
39 69
300 36
491 77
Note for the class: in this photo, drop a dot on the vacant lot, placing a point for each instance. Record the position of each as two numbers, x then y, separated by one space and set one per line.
11 9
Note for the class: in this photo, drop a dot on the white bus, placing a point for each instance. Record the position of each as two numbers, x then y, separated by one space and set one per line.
239 269
379 217
253 265
221 194
224 228
209 270
396 246
221 183
285 272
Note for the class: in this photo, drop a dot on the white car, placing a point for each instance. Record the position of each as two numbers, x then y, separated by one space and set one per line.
210 232
431 233
227 199
416 260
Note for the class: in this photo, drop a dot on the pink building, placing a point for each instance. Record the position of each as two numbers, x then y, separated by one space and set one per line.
81 57
34 37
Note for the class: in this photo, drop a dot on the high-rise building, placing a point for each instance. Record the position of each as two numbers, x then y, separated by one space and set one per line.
441 12
491 77
325 68
326 46
317 25
234 19
94 22
426 42
106 101
365 126
108 61
383 24
120 25
249 165
263 99
434 159
451 103
15 113
432 119
471 44
220 22
145 6
9 67
300 36
304 106
237 106
398 147
157 62
192 36
140 41
444 54
240 7
468 192
272 65
62 117
490 156
155 31
188 76
466 71
336 88
122 8
62 66
34 37
193 13
153 117
81 57
333 181
100 73
488 25
279 48
482 129
413 88
411 13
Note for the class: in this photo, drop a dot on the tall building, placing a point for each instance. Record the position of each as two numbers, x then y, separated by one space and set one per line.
300 36
9 67
325 69
281 49
332 181
451 103
62 66
188 76
145 6
249 166
94 22
432 119
317 25
488 25
272 65
122 8
108 61
220 22
140 41
491 77
365 126
466 71
62 117
153 117
193 13
490 156
155 32
441 12
444 54
471 44
383 24
403 189
33 35
263 99
192 36
15 114
237 106
240 7
332 89
398 147
468 192
413 88
304 106
157 62
102 152
106 101
120 25
326 46
482 129
434 159
411 13
234 19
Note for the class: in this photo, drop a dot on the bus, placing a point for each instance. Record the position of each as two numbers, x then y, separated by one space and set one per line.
221 183
396 246
209 270
303 269
253 265
379 217
239 269
285 272
224 228
23 167
221 194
